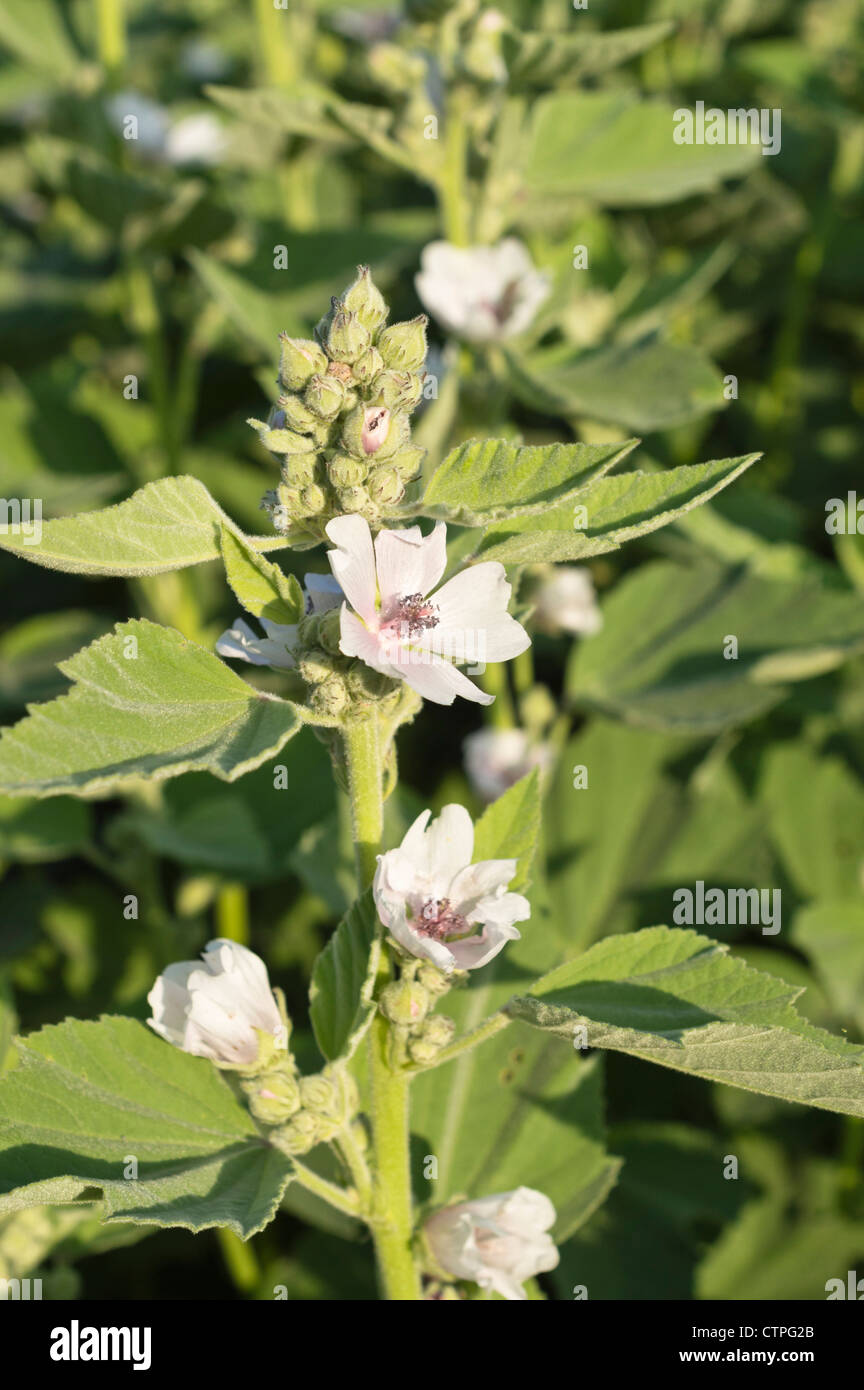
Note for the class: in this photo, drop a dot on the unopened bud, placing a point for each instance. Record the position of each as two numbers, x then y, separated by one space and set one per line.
435 1034
273 1097
329 630
319 1095
397 390
299 469
403 345
343 335
297 414
405 1002
314 500
433 979
302 1133
368 367
357 499
300 359
325 396
330 697
282 441
345 471
385 486
307 631
316 666
365 300
408 462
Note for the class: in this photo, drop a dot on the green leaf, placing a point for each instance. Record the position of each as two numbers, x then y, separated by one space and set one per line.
517 1112
815 808
34 31
660 658
485 480
341 1005
509 829
619 152
831 934
543 59
616 509
644 386
260 587
258 314
249 828
37 834
146 703
679 999
166 525
87 1097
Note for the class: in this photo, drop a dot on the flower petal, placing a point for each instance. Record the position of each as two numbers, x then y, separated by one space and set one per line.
353 563
409 562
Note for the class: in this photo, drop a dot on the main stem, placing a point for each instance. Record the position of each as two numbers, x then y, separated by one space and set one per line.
392 1218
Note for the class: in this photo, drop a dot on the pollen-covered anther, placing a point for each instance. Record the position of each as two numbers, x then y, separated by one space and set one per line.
409 615
439 920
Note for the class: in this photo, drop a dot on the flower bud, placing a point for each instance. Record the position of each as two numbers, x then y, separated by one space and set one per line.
314 500
307 631
329 631
365 300
368 367
273 1097
289 500
385 486
357 499
397 390
343 335
403 345
330 697
299 359
302 1133
365 430
315 666
366 684
281 441
299 469
436 1033
320 1096
297 414
325 396
408 462
405 1002
345 471
433 979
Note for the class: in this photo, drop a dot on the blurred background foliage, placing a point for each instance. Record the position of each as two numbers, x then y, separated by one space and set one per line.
153 259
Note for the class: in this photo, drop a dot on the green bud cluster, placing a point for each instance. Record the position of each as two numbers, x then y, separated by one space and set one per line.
341 429
326 1103
418 1034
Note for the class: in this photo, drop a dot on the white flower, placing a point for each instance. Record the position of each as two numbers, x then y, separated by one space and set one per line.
197 139
497 1242
399 630
481 293
240 643
432 899
496 758
147 129
224 1010
567 602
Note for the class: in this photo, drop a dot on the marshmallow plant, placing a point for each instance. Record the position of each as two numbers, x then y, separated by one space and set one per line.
435 1003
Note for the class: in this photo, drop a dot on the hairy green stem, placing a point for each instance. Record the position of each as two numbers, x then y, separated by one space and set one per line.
392 1217
240 1260
339 1197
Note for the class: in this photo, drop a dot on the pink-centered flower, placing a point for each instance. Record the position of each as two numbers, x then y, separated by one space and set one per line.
497 1242
400 625
440 906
